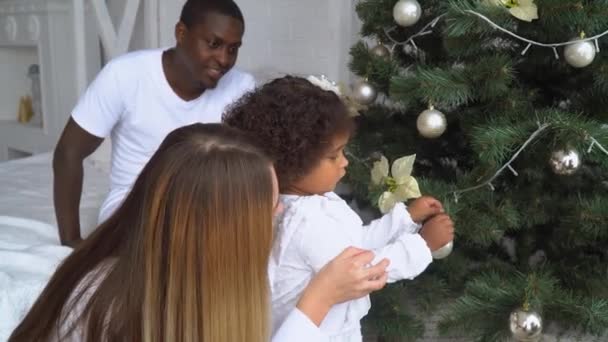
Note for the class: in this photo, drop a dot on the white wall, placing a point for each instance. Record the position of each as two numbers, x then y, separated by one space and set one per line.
287 36
116 7
282 36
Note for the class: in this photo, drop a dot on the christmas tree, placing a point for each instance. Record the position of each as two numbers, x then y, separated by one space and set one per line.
503 104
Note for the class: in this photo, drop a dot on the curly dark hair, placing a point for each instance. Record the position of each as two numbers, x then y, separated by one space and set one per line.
294 121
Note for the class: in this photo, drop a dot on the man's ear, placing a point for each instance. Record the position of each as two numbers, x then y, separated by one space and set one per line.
180 32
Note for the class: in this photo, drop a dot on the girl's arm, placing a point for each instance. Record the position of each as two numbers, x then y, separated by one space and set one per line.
386 229
400 220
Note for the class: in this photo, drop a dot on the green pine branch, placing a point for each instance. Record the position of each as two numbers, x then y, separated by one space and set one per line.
435 86
376 69
484 308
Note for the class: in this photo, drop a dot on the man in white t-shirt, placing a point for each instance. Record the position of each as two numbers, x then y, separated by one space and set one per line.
140 97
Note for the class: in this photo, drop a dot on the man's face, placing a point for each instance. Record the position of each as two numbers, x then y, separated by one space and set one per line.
209 48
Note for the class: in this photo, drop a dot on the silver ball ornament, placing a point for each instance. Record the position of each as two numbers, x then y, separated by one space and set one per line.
565 162
444 251
431 123
364 93
380 51
407 12
525 326
580 54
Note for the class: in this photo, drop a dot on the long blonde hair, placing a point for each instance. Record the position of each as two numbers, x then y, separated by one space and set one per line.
190 247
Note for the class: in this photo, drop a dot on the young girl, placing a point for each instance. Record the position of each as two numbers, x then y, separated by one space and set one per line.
305 129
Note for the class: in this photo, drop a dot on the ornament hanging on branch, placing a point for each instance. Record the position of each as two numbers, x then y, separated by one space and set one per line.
407 12
525 325
444 251
431 123
380 51
581 53
565 162
364 92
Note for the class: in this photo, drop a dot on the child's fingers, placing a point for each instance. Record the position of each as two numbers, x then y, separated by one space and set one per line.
434 210
435 204
440 219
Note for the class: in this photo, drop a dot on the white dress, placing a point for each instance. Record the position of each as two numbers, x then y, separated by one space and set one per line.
312 230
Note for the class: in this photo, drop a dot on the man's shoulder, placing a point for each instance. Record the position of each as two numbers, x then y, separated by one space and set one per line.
135 60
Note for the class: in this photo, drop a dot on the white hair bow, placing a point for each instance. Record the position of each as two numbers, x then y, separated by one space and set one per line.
328 85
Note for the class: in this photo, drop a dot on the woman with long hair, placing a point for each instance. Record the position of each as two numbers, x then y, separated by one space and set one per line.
185 256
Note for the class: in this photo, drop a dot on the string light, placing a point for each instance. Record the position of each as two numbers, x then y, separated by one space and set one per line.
427 29
508 165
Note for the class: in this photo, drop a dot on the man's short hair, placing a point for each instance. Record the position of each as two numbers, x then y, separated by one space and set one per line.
194 11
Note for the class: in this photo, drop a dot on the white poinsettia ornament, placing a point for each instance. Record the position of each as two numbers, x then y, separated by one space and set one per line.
525 10
401 185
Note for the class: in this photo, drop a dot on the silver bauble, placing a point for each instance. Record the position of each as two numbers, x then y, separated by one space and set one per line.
580 54
364 93
526 325
407 12
565 162
380 51
443 251
431 123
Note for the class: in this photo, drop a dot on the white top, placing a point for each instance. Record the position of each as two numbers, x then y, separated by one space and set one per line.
312 230
297 327
132 101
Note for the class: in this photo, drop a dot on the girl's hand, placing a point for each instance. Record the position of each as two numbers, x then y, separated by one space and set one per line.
438 231
423 208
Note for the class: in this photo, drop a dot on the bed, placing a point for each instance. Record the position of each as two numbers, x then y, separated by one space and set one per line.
26 190
29 241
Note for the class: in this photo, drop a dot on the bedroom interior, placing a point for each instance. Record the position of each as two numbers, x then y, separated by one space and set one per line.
49 52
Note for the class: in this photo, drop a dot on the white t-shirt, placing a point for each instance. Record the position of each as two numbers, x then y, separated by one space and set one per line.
132 101
312 230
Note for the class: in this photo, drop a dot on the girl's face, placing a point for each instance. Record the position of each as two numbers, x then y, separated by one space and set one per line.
329 170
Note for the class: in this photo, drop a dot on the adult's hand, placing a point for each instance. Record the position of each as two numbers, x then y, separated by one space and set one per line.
345 278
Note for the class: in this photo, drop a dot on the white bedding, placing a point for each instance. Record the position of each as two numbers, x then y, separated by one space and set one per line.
26 190
29 253
29 241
